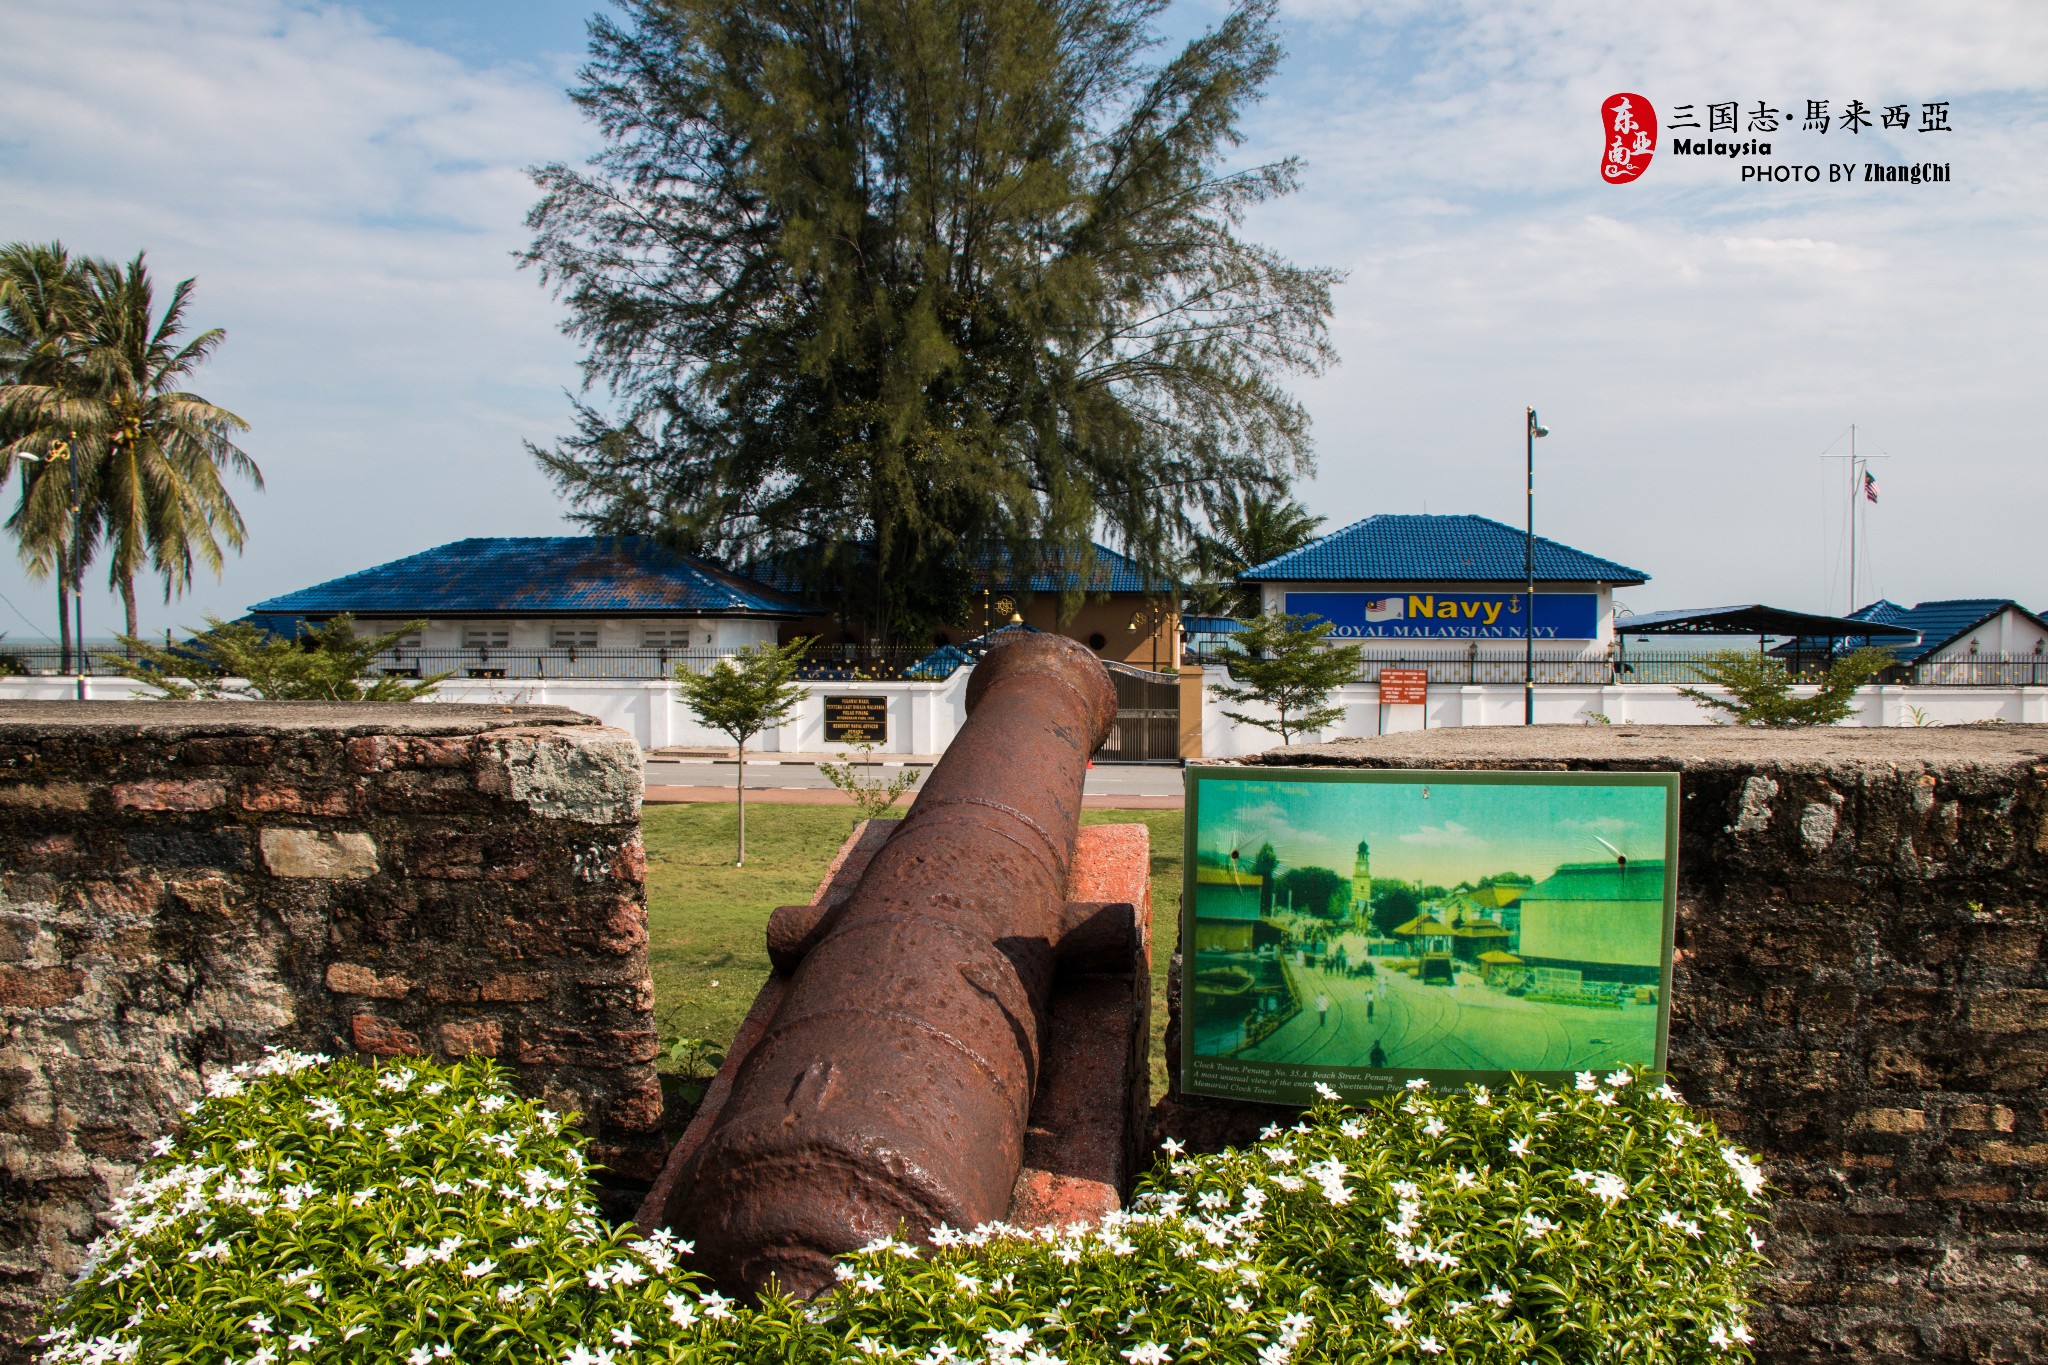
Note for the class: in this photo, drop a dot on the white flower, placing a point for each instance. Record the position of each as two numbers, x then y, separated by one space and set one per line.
1520 1146
1398 1319
1588 1081
1435 1127
419 1355
1392 1295
1668 1095
869 1283
868 1346
716 1305
511 1293
1536 1225
1481 1098
1745 1170
1431 1345
1269 1132
302 1341
476 1270
625 1335
259 1324
1464 1179
1498 1296
1147 1353
1280 1156
161 1147
1610 1187
1719 1337
1238 1303
1418 1084
267 1355
1618 1078
1289 1183
1326 1092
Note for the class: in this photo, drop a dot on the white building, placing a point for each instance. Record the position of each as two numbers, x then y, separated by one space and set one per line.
1423 586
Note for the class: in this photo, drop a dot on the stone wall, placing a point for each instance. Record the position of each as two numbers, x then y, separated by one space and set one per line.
184 884
1860 995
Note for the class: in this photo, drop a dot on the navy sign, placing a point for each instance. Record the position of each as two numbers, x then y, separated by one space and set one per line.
1451 615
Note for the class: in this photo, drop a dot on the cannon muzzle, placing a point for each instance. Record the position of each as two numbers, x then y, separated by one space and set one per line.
893 1086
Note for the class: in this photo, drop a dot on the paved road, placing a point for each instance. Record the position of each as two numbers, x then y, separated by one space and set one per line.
1123 779
1468 1026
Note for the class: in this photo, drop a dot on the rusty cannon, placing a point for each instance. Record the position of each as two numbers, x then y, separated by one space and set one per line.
892 1086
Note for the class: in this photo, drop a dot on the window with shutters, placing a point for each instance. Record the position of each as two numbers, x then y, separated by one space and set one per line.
574 635
486 637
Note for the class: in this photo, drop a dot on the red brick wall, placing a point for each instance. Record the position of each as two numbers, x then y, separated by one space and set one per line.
1860 995
182 884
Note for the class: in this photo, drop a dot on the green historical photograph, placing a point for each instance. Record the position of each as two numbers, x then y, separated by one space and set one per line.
1356 929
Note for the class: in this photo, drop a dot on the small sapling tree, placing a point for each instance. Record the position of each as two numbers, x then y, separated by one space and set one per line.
233 660
741 696
873 795
1760 688
1289 666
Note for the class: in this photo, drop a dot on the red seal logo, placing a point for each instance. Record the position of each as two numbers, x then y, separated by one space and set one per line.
1630 124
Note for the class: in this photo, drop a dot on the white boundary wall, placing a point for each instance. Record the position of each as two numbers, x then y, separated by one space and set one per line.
1459 704
924 716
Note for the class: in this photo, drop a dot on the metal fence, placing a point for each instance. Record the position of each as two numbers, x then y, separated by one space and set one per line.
1681 668
821 663
858 662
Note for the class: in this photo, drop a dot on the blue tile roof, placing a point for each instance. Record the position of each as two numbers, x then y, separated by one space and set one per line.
1418 547
541 576
1939 623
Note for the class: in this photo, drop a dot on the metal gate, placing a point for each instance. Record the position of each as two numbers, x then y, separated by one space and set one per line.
1147 728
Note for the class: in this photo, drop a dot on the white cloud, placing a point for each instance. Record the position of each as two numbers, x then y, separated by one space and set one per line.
350 204
1694 343
1450 834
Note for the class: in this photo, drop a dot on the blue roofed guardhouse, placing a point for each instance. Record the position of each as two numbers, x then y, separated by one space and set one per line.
1976 641
1425 586
494 596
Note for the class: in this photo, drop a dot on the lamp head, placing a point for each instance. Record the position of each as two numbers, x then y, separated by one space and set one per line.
1536 427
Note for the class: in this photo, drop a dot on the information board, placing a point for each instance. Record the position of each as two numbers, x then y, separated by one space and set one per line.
856 720
1451 615
1404 687
1358 929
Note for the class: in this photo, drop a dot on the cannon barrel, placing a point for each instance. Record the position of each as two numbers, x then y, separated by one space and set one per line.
893 1086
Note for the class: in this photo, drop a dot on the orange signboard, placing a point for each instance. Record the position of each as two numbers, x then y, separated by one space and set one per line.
1404 687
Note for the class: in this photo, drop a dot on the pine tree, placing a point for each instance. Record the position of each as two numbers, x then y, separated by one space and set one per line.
876 288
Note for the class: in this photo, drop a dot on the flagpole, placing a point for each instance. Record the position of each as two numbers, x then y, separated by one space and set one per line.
1852 520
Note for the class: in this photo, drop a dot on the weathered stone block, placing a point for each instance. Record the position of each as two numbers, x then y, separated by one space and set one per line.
68 796
349 978
513 988
2009 1011
333 856
170 794
291 799
481 1038
382 1038
39 987
1892 1120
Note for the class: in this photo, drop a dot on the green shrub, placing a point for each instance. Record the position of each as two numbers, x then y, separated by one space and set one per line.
418 1213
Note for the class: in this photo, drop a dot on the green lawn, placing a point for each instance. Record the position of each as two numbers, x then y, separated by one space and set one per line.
705 917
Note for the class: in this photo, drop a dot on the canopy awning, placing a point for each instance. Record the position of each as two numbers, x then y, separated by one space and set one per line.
1756 619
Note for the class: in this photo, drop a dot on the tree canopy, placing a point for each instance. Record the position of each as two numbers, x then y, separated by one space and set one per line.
114 453
875 287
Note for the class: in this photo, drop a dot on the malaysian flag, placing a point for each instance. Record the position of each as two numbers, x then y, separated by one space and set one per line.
1869 486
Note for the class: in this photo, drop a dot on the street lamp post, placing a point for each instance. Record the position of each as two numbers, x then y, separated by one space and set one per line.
1535 429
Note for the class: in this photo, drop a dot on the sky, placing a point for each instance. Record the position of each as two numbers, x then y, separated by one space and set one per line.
1435 832
347 182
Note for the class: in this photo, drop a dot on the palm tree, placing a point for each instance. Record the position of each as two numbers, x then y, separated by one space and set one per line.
1246 528
149 455
158 490
43 294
